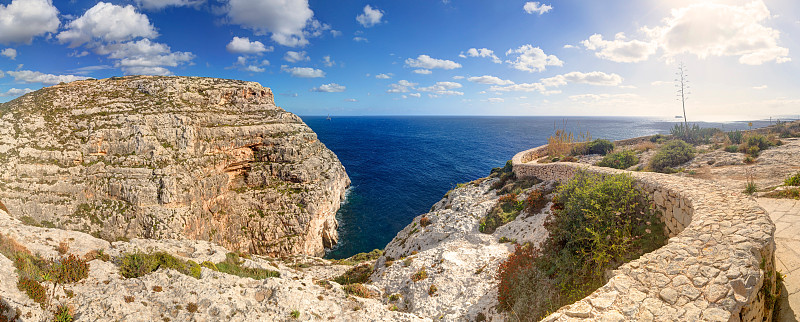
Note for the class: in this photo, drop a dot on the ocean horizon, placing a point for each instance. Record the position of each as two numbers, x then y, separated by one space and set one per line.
401 165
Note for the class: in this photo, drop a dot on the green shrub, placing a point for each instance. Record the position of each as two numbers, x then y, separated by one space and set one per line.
63 314
598 146
754 143
233 265
750 187
33 289
360 257
535 201
658 138
295 314
732 148
140 264
358 290
619 160
598 224
505 211
357 274
71 269
793 180
421 274
735 137
671 154
693 133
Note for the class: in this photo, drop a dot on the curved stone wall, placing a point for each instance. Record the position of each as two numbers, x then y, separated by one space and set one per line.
718 264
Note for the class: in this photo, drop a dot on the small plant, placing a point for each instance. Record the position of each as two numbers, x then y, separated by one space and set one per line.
505 239
750 187
753 143
33 289
658 138
233 265
63 247
359 290
191 307
424 221
432 290
421 274
749 160
71 269
619 160
505 211
295 314
732 148
128 298
735 137
793 180
393 307
671 154
394 297
357 274
63 314
535 201
157 288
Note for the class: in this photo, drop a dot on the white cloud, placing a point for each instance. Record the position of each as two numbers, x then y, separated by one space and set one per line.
417 95
255 69
568 46
491 80
79 54
442 88
620 49
13 92
524 87
28 76
336 33
760 87
144 57
495 100
107 23
536 7
294 56
22 20
714 29
458 77
360 39
370 17
10 53
161 4
303 72
591 78
350 100
532 59
327 61
423 71
402 86
482 52
604 99
329 88
285 19
243 45
426 62
384 76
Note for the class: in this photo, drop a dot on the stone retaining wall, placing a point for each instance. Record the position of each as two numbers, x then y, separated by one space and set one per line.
718 264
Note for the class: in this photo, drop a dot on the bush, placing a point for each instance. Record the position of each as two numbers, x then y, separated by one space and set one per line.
732 148
671 154
357 274
658 138
421 274
693 133
535 201
619 160
505 211
752 144
598 146
599 224
33 289
233 265
793 180
358 290
140 264
735 137
71 269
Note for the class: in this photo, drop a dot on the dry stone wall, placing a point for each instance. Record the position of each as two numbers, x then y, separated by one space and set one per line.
718 264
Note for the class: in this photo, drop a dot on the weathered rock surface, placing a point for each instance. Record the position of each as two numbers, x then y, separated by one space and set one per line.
170 157
169 295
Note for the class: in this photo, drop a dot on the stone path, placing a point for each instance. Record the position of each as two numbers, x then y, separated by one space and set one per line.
786 215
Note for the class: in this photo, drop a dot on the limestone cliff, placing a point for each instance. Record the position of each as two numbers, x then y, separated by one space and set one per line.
170 157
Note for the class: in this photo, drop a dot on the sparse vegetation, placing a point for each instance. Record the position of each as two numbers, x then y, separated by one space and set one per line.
360 258
424 221
357 274
693 133
599 223
753 143
432 290
233 265
139 264
598 146
671 154
619 160
505 211
792 180
359 290
295 314
732 148
421 274
63 314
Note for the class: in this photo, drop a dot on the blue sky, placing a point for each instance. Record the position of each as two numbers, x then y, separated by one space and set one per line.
453 57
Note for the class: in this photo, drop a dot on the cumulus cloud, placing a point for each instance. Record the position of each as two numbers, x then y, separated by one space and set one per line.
10 53
426 62
384 76
532 59
327 61
243 45
620 49
402 86
303 72
495 100
350 100
544 85
329 88
295 56
370 17
491 80
458 77
107 23
22 20
14 92
423 71
28 76
442 88
360 39
536 7
144 57
161 4
482 52
284 19
760 87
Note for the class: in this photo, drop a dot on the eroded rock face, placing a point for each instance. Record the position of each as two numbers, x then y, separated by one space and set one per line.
170 157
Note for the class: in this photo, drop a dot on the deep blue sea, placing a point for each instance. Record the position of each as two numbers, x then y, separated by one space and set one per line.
400 166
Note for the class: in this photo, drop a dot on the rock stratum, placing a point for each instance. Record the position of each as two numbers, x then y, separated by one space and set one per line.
170 157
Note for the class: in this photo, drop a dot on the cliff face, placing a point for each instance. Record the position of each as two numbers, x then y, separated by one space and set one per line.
170 157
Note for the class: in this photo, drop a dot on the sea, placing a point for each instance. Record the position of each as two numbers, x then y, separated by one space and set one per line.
401 165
